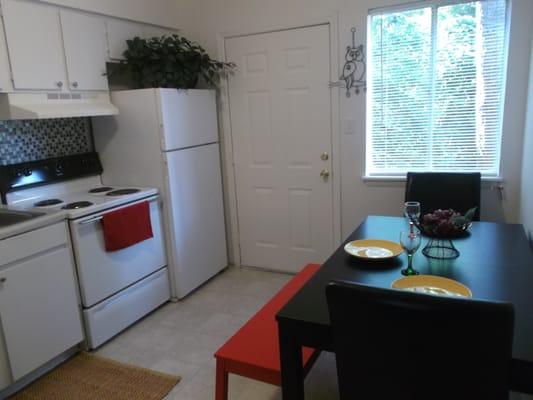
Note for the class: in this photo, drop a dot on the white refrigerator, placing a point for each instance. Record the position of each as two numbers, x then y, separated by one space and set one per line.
168 138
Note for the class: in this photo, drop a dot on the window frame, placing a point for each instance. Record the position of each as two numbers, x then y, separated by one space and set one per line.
434 5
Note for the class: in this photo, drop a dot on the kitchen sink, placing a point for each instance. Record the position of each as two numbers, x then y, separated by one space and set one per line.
11 217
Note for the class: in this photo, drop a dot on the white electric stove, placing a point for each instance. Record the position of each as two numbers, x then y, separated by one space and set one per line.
116 288
76 198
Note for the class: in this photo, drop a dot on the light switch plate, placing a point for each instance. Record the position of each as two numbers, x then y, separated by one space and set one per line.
349 126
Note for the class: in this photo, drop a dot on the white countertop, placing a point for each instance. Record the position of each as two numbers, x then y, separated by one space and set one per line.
29 225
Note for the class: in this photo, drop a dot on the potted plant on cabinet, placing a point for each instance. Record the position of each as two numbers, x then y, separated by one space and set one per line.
170 62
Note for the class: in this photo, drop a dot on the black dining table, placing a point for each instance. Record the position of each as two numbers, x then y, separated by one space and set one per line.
495 262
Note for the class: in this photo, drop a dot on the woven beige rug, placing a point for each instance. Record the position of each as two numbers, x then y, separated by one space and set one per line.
89 377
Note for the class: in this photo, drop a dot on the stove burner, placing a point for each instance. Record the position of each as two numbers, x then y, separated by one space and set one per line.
77 204
121 192
101 189
48 202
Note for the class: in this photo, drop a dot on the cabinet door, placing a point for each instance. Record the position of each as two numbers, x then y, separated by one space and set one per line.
118 31
35 47
5 76
5 372
39 310
151 30
85 50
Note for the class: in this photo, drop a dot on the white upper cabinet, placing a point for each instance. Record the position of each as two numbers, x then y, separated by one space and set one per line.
150 31
85 50
35 45
5 76
118 31
52 48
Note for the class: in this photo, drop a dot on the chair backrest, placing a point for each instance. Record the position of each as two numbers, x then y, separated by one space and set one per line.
434 190
392 344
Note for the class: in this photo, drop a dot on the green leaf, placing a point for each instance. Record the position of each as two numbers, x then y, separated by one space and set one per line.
171 61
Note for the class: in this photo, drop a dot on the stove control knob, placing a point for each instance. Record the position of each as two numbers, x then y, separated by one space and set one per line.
27 172
16 173
59 168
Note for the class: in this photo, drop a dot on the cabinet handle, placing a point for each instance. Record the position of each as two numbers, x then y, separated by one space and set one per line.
75 84
59 84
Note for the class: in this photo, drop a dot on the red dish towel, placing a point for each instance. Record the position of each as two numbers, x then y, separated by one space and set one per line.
127 226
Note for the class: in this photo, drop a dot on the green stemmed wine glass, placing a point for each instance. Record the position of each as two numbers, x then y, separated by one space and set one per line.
410 242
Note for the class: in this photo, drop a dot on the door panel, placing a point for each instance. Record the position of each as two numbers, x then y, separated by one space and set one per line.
281 125
85 50
34 41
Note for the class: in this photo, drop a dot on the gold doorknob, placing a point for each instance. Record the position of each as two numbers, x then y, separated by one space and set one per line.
324 156
324 174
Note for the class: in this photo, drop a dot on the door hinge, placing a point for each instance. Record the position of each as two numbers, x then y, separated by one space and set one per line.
338 84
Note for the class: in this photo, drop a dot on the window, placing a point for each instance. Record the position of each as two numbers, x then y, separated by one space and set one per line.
436 88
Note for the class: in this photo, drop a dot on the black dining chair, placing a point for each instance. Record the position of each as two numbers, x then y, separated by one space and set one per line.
434 190
397 345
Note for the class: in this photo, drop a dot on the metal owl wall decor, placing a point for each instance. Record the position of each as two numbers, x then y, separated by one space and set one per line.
353 73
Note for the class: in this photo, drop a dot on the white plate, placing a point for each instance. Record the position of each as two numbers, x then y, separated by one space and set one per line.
370 249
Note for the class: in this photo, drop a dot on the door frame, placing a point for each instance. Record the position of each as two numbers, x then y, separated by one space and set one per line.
226 137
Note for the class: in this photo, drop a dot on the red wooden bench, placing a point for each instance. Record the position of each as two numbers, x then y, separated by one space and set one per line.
253 351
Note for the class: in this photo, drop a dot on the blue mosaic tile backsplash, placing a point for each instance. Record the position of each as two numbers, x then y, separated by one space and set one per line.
39 139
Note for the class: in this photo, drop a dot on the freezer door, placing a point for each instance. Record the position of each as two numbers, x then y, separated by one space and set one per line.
188 118
196 216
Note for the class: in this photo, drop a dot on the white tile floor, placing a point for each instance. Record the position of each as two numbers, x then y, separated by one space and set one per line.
181 338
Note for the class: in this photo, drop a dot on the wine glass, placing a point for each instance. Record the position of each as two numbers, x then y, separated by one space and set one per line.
411 211
410 242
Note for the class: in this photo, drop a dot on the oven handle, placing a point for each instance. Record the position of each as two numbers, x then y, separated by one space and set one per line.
100 217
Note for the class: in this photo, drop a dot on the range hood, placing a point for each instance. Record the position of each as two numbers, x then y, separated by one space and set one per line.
54 105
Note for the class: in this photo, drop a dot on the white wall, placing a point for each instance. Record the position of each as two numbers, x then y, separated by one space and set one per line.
526 206
209 18
157 12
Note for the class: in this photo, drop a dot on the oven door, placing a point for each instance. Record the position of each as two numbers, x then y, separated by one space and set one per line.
102 274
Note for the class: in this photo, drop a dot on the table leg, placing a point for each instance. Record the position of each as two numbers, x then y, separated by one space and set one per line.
292 373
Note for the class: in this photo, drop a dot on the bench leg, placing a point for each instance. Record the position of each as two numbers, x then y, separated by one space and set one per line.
221 385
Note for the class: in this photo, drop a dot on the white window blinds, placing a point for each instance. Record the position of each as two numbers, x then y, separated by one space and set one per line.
436 88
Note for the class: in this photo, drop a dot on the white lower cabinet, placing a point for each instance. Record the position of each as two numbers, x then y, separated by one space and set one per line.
5 371
39 310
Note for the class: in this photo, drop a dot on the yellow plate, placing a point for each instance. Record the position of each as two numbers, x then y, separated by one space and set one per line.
373 249
431 284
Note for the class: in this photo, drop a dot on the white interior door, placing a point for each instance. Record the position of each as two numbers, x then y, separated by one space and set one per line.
281 130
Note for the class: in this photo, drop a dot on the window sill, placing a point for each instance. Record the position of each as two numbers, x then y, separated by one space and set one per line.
367 178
